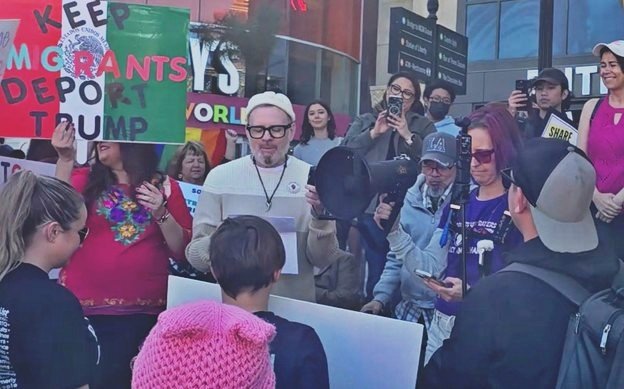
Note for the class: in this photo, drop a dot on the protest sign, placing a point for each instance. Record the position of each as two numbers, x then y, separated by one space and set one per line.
110 68
559 127
191 195
9 166
363 351
8 29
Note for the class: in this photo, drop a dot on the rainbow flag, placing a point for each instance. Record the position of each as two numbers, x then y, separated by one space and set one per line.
117 71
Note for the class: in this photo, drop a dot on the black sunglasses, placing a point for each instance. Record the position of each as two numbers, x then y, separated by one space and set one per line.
82 234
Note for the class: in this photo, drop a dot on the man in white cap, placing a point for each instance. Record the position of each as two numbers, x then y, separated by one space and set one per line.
512 326
270 184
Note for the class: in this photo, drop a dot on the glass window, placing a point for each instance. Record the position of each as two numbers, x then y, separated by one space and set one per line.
339 82
591 22
560 26
302 73
519 29
481 31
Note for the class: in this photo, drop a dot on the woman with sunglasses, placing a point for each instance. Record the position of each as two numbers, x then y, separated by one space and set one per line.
138 220
383 135
495 142
45 341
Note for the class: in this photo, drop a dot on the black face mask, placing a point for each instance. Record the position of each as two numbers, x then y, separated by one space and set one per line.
438 110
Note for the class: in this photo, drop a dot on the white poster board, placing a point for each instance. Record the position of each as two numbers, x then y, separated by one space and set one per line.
191 195
363 351
8 29
9 166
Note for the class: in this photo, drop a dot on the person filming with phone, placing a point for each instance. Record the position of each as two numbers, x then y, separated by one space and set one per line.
495 142
392 130
552 92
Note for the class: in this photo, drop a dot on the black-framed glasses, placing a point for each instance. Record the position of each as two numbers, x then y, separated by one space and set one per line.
82 234
429 167
406 93
277 131
507 175
483 156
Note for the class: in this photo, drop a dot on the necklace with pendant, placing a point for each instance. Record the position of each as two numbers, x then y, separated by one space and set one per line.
269 200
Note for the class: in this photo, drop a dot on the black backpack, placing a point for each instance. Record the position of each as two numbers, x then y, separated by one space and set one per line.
593 353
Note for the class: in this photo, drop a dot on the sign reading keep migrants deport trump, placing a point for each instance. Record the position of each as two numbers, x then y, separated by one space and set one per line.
431 51
110 68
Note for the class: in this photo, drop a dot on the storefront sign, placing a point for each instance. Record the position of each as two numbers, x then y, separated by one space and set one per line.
107 67
207 54
8 29
431 51
10 166
211 111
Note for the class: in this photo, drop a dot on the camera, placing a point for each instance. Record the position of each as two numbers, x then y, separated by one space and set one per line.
395 106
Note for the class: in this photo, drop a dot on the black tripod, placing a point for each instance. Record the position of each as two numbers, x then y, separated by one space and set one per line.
461 188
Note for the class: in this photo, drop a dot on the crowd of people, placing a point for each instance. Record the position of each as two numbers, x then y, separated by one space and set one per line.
117 227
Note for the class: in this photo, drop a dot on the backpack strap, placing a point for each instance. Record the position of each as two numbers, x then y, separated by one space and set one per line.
563 284
598 104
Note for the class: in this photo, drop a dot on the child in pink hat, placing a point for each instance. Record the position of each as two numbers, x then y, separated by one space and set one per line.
206 345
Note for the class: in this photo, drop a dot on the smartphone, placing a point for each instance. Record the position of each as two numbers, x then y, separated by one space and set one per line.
311 175
524 86
395 106
428 276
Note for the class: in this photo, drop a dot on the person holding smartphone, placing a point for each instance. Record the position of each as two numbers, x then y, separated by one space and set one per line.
392 130
552 92
495 142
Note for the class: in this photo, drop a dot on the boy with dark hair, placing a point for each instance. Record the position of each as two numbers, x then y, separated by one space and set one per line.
247 256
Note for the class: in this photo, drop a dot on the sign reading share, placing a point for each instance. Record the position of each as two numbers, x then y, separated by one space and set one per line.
431 51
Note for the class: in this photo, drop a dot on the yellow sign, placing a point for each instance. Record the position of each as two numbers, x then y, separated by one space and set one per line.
558 128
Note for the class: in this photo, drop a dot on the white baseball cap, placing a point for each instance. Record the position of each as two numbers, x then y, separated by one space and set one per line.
278 100
616 47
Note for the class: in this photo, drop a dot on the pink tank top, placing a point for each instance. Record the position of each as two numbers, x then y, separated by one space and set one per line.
605 147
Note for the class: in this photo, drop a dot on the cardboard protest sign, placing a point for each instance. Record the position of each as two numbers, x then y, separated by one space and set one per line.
10 166
343 333
117 71
559 127
191 195
8 29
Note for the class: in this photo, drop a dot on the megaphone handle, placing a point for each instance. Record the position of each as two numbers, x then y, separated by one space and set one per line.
398 204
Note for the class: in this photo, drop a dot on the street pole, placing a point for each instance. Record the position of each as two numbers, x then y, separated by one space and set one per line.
432 7
544 54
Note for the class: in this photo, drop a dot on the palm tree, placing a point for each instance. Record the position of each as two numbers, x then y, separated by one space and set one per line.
253 39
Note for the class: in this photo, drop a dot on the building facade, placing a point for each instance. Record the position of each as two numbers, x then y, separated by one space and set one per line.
503 45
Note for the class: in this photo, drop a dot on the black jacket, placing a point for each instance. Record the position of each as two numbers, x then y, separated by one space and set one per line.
511 328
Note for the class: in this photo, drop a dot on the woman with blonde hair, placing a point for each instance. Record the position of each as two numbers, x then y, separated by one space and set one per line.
190 164
45 341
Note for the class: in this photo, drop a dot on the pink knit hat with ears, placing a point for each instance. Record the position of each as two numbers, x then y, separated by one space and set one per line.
206 345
